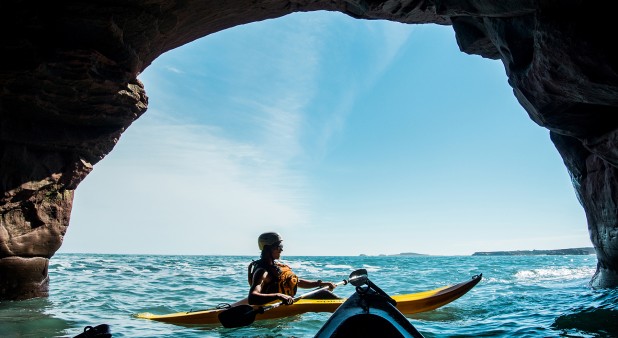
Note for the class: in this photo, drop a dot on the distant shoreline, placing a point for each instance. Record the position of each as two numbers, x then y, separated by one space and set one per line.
572 251
557 252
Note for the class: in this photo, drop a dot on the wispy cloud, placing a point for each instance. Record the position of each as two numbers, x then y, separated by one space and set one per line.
391 37
184 181
174 70
396 35
384 42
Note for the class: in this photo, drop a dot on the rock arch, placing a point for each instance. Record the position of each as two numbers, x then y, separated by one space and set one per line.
69 89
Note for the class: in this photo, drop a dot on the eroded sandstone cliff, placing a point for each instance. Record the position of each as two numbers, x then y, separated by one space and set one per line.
69 89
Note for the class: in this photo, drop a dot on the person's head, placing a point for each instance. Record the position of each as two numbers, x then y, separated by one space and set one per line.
270 243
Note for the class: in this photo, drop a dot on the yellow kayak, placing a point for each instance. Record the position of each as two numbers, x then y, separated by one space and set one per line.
406 304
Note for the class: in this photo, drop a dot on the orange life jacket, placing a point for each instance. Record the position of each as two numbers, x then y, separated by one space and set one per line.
283 279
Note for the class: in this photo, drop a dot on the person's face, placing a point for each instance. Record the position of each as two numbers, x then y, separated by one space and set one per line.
276 250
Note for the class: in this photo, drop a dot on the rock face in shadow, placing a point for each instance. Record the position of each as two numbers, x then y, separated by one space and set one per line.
69 89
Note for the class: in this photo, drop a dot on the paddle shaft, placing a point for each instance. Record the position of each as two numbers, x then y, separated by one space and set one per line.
266 308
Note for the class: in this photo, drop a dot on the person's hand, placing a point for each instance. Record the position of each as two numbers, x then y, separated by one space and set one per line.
331 285
285 299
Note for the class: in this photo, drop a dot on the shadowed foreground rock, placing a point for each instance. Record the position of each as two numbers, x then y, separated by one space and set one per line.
69 89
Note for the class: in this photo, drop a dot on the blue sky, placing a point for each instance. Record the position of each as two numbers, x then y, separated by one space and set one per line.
346 136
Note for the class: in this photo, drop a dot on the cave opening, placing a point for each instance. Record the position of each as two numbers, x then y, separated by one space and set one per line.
318 122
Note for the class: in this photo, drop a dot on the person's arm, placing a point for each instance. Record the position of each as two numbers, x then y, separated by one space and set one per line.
256 297
306 284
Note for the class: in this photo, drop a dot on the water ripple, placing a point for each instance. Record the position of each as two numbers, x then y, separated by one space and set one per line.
539 296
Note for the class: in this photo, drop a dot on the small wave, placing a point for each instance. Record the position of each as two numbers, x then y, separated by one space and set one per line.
371 268
312 269
339 266
555 273
106 261
493 280
294 264
122 269
59 264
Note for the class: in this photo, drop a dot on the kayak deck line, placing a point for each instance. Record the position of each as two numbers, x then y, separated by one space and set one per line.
406 303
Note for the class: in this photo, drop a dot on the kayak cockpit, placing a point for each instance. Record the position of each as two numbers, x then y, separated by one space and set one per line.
367 325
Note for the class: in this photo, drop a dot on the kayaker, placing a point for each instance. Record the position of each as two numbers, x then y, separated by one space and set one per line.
271 280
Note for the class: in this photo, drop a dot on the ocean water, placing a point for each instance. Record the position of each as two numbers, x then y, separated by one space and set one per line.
519 296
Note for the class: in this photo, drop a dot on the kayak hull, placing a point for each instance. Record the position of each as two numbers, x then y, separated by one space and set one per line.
406 304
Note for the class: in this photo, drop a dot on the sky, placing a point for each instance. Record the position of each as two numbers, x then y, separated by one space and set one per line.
345 136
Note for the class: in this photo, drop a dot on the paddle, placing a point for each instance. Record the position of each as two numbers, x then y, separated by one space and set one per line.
243 315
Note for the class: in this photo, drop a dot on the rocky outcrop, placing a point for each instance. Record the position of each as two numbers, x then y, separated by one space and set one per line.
69 88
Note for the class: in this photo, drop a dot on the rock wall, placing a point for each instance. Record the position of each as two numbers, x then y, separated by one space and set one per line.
69 88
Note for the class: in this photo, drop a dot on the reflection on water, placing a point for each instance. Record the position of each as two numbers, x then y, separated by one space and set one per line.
29 318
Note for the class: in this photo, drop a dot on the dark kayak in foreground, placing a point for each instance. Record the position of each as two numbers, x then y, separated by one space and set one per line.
406 303
370 312
99 331
367 313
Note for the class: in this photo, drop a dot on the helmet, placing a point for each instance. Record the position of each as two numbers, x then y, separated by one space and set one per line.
268 238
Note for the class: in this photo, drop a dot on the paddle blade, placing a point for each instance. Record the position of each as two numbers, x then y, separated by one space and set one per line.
237 316
358 277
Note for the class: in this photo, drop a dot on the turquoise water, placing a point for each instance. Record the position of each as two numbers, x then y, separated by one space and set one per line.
533 296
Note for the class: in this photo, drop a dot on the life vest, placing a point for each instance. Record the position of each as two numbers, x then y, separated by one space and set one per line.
283 279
